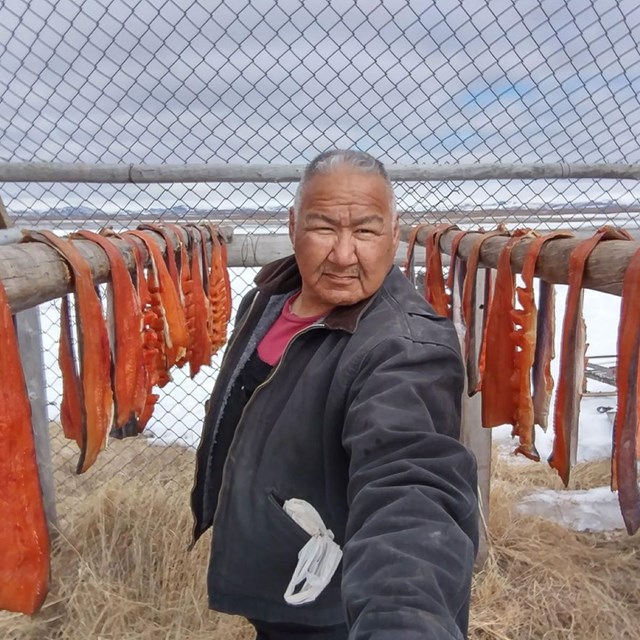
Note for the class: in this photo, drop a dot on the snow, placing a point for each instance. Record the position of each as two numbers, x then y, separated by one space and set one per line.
592 510
180 410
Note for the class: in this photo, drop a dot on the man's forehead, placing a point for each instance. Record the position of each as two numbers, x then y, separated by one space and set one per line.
344 186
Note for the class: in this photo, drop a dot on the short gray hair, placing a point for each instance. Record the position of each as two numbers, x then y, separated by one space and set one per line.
334 159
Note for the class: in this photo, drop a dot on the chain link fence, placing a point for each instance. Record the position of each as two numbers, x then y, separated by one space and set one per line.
438 82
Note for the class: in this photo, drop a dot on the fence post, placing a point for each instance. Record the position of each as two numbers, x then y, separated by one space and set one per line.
30 341
476 438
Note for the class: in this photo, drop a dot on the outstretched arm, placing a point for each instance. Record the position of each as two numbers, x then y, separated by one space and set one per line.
412 531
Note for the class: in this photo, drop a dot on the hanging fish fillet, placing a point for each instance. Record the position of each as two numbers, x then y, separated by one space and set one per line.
469 307
218 297
153 341
223 270
176 354
499 401
93 347
128 375
526 338
434 287
544 333
162 288
185 289
72 415
227 280
201 349
454 265
545 352
567 406
24 538
409 270
624 469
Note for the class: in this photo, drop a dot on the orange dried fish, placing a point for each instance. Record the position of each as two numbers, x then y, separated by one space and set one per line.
498 397
409 271
185 288
175 354
455 264
544 353
469 307
72 415
24 538
126 317
217 295
624 469
525 337
201 347
227 280
153 342
567 406
434 286
176 332
93 346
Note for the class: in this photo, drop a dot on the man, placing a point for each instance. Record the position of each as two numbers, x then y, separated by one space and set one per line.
341 387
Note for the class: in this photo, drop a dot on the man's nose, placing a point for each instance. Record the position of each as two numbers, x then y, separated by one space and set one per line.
343 253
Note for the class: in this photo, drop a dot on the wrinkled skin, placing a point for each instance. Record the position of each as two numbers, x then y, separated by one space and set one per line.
344 238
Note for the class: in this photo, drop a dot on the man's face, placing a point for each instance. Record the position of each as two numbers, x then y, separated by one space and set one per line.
344 238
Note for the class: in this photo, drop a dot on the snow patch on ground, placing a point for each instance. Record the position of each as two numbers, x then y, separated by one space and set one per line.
593 510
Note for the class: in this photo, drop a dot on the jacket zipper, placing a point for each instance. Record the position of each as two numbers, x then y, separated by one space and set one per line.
223 484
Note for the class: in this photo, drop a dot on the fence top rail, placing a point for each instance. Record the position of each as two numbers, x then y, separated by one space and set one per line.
604 272
165 173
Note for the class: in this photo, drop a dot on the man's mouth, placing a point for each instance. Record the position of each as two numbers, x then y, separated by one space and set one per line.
340 277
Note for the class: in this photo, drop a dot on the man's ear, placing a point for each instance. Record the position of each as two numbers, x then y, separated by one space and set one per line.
396 233
292 225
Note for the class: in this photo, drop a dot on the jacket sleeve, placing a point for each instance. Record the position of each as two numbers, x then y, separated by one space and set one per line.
412 531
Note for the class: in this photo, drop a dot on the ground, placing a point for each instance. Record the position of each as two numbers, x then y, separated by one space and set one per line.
121 570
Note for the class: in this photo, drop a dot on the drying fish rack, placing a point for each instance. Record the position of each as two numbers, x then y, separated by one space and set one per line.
45 278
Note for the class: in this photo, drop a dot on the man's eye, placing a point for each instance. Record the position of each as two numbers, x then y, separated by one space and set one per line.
365 232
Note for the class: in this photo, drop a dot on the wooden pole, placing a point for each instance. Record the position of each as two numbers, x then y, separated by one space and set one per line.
605 269
146 174
475 437
31 353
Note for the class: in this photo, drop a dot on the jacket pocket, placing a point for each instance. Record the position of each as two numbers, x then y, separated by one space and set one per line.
276 503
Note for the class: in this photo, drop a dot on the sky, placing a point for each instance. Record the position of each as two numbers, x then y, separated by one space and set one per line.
410 81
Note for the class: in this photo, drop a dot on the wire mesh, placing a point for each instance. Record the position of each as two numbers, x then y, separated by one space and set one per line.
447 81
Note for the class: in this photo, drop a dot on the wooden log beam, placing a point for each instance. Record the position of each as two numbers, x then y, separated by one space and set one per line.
33 273
189 173
605 269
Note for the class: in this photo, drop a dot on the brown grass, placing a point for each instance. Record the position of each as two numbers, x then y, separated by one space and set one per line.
120 569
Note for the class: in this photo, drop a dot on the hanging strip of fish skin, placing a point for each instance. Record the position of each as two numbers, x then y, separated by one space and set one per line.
24 538
566 412
125 319
624 468
472 350
434 285
93 348
498 398
525 337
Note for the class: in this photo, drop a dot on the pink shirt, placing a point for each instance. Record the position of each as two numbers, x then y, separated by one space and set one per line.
287 325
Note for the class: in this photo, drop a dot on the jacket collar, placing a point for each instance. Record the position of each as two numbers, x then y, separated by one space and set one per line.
283 276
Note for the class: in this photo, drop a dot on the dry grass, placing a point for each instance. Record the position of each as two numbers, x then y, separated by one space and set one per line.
120 569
